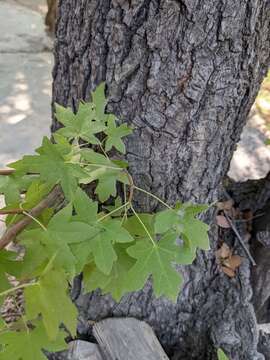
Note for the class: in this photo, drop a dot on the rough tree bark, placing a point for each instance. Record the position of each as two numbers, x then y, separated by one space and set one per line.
185 74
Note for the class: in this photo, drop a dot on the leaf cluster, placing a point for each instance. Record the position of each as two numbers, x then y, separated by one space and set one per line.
116 248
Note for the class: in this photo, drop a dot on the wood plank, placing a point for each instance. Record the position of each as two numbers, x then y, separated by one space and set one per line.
83 350
127 339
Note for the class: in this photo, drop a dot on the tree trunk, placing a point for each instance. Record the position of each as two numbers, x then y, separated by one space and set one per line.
185 74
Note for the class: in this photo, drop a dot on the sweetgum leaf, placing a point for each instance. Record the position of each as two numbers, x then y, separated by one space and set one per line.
85 208
8 265
134 226
166 220
50 298
64 115
221 355
35 256
114 135
155 260
183 221
28 345
196 231
12 185
10 188
115 282
103 251
52 167
99 101
109 233
82 125
105 171
115 232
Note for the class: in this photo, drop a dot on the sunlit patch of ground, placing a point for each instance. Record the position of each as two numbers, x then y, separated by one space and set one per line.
252 157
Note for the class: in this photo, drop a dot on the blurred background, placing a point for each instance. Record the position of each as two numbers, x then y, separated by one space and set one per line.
26 62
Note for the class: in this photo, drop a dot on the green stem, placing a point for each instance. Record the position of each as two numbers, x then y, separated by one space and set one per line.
9 291
97 165
153 196
113 211
34 219
103 150
143 225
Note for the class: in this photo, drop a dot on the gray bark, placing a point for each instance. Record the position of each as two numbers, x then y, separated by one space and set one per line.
185 74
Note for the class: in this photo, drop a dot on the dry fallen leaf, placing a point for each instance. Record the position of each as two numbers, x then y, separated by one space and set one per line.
234 262
225 205
224 252
228 271
222 222
229 263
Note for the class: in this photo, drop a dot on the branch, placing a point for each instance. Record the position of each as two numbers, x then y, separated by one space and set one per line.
11 211
15 229
230 221
6 172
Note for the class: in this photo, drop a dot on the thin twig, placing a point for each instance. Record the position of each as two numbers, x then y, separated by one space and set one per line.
10 211
6 172
230 221
11 233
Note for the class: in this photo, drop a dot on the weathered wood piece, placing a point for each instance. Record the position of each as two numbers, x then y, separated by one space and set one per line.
83 350
127 339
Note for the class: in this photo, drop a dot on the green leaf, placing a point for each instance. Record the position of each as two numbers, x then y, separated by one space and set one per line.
103 251
82 125
64 115
8 265
103 170
115 282
11 186
183 221
116 232
135 228
155 260
99 101
184 254
28 345
82 253
85 208
114 135
42 246
166 220
52 167
35 257
196 231
221 355
50 298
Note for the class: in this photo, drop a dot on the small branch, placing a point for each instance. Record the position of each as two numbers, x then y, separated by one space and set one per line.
6 172
15 229
230 221
11 211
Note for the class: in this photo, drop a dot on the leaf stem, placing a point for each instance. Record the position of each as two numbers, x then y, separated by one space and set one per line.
153 196
97 165
143 225
22 286
113 211
34 219
103 150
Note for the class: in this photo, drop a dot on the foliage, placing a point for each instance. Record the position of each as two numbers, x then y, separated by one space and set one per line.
116 248
221 355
